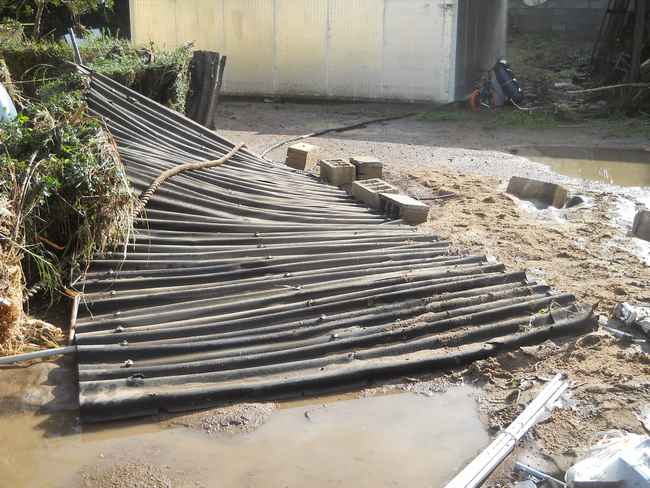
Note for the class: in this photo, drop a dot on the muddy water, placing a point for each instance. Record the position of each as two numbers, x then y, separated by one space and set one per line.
622 167
394 440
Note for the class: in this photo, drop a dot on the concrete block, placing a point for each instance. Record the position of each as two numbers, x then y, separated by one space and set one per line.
337 171
367 167
641 226
406 208
301 156
368 191
548 194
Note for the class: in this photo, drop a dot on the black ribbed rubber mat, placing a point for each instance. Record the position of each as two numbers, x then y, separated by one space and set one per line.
252 280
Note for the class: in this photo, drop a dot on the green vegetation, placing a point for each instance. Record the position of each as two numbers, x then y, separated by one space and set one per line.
537 119
504 117
159 74
43 15
65 186
64 195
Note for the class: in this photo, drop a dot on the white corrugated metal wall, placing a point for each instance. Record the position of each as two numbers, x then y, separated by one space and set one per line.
363 49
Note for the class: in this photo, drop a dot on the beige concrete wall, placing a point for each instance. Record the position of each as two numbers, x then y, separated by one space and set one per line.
363 49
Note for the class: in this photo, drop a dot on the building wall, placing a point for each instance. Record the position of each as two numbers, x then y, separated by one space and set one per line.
578 18
358 49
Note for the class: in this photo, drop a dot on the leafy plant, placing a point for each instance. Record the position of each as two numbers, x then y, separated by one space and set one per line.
66 187
34 11
159 74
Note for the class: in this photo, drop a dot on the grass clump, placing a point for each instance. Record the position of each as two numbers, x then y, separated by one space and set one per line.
505 117
162 75
534 119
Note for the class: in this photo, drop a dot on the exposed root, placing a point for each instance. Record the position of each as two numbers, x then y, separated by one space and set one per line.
31 335
11 299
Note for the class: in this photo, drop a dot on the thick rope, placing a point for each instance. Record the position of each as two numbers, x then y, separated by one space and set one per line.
165 175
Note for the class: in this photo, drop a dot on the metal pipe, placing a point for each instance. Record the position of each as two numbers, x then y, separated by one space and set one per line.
46 353
475 473
538 474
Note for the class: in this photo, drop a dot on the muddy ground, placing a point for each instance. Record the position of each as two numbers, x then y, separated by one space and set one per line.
460 168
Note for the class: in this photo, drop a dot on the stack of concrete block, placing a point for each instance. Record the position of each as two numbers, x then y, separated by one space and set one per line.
301 156
368 167
404 207
641 226
547 194
368 191
337 172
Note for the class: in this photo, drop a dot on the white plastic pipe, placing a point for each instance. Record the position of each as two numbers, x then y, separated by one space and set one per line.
57 351
476 472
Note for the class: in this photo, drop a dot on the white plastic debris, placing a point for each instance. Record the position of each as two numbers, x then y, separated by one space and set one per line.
619 457
7 108
633 315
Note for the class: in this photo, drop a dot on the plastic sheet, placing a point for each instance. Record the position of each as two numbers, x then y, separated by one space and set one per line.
619 457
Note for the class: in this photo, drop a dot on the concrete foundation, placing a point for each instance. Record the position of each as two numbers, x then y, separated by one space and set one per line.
337 172
367 167
301 156
641 226
368 191
548 194
406 208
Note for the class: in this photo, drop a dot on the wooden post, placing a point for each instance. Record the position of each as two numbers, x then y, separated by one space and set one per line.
205 83
74 309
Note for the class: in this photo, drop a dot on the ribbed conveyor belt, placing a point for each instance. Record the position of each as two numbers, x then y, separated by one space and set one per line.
251 280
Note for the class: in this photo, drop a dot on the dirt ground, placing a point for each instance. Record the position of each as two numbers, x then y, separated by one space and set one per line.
234 419
461 168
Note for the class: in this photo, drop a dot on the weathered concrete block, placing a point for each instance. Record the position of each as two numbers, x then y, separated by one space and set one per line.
368 191
367 167
301 156
406 208
549 194
641 226
337 171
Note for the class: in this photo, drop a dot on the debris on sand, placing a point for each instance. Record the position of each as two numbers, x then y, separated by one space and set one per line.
586 253
235 419
638 316
480 468
135 475
618 458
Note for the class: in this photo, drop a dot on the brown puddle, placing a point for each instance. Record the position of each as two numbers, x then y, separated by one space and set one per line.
402 439
622 167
